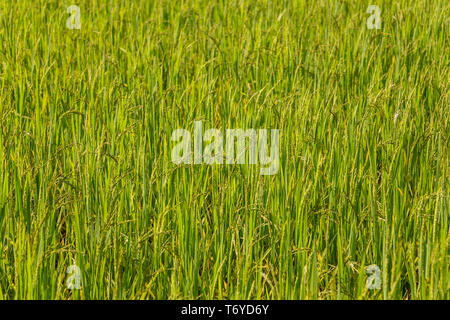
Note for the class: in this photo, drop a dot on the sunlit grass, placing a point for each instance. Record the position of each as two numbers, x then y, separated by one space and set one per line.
86 178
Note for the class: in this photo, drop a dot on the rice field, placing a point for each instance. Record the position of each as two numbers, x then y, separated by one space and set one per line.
93 207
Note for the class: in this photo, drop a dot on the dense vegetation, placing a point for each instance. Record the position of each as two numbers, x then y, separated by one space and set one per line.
86 118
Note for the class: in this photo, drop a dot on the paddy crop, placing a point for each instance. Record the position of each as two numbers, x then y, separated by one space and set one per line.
87 180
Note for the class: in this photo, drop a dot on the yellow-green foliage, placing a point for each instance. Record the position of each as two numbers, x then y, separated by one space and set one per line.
86 178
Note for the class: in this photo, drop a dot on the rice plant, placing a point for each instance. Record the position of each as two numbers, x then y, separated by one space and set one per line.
93 207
